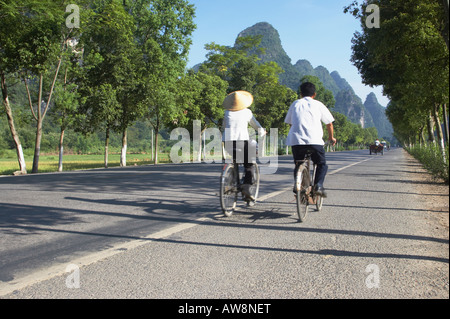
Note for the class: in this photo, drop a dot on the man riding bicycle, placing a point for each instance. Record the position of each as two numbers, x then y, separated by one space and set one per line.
306 134
236 137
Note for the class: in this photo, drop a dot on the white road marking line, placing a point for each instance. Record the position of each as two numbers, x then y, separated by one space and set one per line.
345 167
267 196
58 269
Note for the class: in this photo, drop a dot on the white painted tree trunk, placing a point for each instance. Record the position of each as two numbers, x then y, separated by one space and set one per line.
61 151
123 155
21 158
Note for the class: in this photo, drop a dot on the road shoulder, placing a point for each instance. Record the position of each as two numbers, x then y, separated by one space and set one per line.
436 195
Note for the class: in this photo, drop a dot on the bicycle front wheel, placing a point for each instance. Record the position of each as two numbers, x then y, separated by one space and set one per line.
228 189
302 194
319 202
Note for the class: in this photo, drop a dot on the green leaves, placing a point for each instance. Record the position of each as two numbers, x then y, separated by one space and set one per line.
200 97
407 55
323 95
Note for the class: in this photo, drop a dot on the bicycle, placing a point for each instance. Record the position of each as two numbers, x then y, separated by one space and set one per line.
231 185
304 187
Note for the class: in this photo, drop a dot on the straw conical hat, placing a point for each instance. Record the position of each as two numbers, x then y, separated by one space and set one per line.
237 101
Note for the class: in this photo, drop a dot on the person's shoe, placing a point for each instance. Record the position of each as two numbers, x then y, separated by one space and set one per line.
319 190
246 192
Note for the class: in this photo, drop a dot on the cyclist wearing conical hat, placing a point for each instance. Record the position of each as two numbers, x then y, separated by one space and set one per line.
236 136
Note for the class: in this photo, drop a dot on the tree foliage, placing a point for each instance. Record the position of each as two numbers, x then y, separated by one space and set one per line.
408 56
127 62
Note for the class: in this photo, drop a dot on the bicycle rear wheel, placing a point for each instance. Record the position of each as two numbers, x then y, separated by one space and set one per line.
228 189
302 194
254 189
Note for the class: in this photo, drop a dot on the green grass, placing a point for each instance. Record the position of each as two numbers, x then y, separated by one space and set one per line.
49 163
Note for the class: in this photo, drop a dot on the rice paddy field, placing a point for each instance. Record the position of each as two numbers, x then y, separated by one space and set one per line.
49 163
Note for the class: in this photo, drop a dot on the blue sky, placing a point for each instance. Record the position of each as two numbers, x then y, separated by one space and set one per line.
315 30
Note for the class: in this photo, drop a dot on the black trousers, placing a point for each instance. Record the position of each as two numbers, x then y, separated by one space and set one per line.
235 148
318 158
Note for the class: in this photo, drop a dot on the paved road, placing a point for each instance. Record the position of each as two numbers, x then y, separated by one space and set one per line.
157 232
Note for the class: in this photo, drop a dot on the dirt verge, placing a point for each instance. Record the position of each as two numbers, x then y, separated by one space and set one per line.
437 199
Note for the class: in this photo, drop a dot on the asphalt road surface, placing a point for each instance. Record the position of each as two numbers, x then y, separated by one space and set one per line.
158 232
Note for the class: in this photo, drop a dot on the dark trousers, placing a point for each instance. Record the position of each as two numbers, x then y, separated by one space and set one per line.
235 149
318 158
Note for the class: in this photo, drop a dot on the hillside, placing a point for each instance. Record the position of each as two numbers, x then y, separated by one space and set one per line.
377 111
368 114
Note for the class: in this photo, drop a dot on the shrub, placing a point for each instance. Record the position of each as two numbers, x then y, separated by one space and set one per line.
433 159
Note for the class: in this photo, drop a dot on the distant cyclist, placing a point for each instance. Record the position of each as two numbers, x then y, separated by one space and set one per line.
306 116
236 137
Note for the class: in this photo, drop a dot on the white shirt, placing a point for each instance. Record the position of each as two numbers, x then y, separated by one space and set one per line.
236 125
306 116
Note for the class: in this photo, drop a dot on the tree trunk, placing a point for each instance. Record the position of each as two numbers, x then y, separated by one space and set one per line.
61 151
152 146
41 115
39 119
421 136
106 147
12 128
37 147
204 145
430 129
156 141
437 121
197 141
446 133
199 147
123 155
439 130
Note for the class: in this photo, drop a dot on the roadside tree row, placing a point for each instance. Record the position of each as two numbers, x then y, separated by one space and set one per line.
407 54
99 66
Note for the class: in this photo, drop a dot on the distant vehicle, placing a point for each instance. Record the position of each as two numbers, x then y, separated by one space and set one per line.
375 149
387 146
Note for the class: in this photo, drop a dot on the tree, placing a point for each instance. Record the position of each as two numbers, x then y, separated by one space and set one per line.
10 16
407 55
225 62
323 95
32 38
241 67
272 99
243 75
112 81
343 127
370 134
63 112
99 109
200 98
163 34
12 126
409 125
39 57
